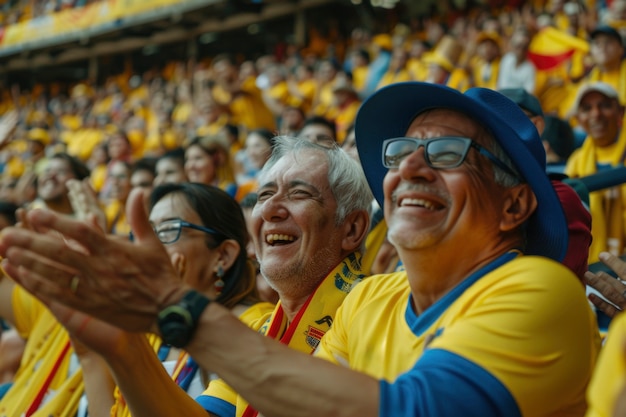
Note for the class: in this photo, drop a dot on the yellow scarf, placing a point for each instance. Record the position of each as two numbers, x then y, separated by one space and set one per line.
315 317
64 392
606 205
317 314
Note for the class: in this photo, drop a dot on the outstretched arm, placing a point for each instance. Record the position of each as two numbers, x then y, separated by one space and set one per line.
276 380
127 284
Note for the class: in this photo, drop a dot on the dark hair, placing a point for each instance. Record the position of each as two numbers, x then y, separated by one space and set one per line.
177 154
266 134
220 212
363 54
559 134
119 133
232 129
249 200
210 144
320 120
144 164
8 209
79 169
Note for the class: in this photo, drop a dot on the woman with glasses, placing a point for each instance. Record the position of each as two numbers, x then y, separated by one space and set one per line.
204 232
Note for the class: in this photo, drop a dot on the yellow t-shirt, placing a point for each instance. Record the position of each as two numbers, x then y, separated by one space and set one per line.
609 375
521 329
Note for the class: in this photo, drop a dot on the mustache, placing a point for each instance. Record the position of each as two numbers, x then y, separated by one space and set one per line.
418 188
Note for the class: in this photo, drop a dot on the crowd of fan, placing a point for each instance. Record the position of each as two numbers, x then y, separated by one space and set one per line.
213 120
166 108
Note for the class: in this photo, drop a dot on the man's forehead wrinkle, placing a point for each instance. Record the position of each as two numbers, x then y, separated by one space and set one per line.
268 184
290 183
471 129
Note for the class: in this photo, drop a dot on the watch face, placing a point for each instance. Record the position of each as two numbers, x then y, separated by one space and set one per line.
178 322
176 334
176 326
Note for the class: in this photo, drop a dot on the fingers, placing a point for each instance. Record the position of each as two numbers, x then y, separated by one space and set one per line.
615 263
48 258
58 273
78 199
82 232
42 288
85 203
603 306
610 288
613 289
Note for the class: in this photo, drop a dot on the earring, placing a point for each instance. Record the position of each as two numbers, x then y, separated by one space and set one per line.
219 284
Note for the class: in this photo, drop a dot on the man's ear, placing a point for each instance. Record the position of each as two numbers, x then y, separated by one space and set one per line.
520 203
356 226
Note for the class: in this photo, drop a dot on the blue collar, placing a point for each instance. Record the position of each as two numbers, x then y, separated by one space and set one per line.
419 324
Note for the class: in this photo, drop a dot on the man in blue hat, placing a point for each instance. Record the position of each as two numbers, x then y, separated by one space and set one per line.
485 321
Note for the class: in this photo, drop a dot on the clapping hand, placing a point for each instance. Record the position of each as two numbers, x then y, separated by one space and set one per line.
123 283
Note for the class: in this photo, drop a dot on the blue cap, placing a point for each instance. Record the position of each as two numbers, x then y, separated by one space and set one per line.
389 112
608 31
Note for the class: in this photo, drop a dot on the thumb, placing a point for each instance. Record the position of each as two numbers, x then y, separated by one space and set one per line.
138 218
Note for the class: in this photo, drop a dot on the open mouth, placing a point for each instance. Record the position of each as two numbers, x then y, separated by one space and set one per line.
279 239
418 202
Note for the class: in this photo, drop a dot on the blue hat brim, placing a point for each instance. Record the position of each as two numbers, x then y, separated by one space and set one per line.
389 112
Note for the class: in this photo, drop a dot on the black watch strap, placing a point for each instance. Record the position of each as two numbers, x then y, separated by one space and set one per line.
177 323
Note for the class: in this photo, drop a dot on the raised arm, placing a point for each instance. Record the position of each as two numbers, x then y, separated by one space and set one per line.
127 284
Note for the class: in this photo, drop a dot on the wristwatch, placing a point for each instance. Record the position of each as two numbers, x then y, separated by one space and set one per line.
177 323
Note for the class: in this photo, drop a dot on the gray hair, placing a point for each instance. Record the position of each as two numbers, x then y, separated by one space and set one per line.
345 175
501 177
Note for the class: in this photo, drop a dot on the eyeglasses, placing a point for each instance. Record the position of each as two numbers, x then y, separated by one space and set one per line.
169 231
440 153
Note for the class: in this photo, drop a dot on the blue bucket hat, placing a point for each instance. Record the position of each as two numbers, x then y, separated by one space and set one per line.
390 110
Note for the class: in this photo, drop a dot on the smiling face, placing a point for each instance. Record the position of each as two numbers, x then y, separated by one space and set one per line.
51 182
296 239
442 208
258 149
600 116
317 133
169 171
119 181
119 147
193 259
199 165
606 51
